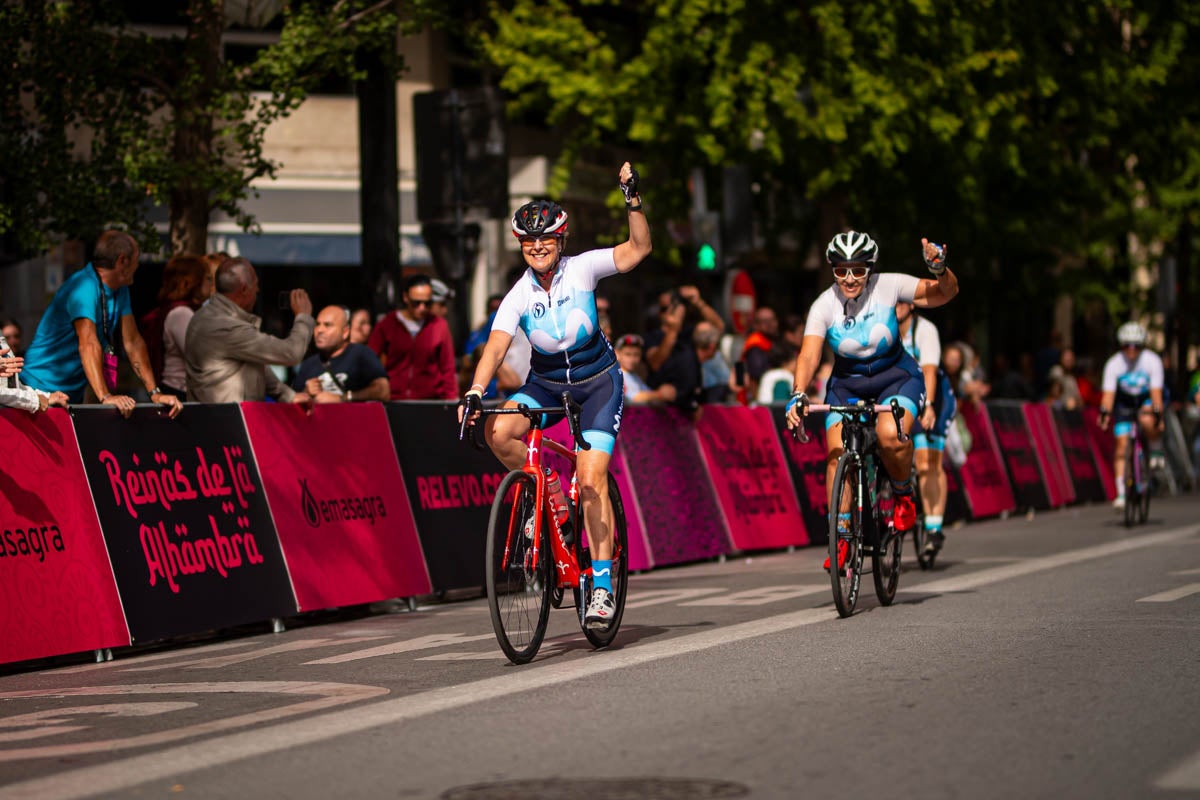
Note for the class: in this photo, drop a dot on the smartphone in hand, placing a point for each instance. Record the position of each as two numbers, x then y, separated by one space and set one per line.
739 368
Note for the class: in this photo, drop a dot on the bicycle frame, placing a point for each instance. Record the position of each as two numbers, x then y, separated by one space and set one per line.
566 564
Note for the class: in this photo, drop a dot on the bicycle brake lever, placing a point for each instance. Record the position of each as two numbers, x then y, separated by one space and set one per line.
572 408
898 414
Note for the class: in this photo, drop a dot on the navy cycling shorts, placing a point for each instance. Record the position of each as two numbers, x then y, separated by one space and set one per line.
903 381
945 405
602 398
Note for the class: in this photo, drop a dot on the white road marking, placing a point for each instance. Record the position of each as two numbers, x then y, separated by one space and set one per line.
1185 572
1185 776
217 662
656 597
759 596
146 659
122 774
325 696
1171 595
407 646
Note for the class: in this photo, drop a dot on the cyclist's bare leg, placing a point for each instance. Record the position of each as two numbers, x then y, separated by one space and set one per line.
505 434
933 481
591 471
1151 429
833 451
1120 445
897 457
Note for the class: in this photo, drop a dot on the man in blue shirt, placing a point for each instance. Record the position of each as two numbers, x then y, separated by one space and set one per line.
74 344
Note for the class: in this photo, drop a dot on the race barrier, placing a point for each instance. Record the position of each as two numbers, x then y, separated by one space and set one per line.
127 531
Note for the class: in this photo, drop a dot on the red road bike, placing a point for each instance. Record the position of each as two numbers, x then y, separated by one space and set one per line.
532 561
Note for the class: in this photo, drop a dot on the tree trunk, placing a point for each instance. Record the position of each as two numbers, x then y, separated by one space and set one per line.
190 202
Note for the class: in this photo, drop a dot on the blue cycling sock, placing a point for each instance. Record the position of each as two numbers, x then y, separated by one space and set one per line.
602 574
843 520
933 523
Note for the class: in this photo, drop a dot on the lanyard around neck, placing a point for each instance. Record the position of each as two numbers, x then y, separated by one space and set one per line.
104 311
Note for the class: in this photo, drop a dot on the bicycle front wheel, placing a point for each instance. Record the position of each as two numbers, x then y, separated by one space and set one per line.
1145 487
1132 497
519 586
620 569
845 540
885 556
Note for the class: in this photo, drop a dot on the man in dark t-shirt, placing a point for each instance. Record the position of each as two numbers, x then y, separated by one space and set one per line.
340 372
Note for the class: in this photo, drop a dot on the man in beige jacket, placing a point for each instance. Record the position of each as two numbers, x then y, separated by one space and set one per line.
226 353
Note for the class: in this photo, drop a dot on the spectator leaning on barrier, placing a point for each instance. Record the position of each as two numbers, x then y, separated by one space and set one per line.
716 379
187 283
415 347
360 326
340 371
670 355
629 355
226 352
15 394
12 334
75 344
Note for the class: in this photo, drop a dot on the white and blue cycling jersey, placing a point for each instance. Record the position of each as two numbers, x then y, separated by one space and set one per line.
1132 380
863 331
562 325
925 345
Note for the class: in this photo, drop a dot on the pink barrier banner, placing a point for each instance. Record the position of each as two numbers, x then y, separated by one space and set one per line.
56 583
806 463
335 492
750 475
1103 447
679 507
1050 454
640 556
984 479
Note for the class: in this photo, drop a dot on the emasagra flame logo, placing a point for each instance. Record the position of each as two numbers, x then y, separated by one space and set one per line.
312 513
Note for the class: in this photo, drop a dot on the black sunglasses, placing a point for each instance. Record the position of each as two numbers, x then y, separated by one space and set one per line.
425 303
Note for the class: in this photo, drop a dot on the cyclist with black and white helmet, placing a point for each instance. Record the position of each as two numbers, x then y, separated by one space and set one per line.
554 303
1132 392
857 317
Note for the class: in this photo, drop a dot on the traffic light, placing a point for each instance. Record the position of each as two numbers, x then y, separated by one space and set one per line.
706 233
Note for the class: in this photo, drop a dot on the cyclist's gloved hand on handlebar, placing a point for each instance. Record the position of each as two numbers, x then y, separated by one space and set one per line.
935 256
471 405
796 406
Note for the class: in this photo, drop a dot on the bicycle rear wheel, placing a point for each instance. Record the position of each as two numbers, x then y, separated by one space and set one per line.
518 589
845 574
1132 498
885 556
620 569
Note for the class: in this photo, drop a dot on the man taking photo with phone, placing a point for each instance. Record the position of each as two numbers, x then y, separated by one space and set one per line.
227 354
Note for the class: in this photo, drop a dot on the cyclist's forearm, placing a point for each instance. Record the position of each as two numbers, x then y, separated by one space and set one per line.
930 373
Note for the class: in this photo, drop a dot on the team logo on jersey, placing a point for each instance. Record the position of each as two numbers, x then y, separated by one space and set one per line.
539 310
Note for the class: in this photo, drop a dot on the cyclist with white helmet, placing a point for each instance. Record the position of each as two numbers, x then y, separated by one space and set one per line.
1132 391
921 340
554 303
857 316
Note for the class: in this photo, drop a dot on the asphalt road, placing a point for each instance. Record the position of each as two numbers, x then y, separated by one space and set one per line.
1057 656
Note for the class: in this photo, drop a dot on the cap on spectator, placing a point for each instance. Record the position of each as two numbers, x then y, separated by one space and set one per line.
631 340
441 292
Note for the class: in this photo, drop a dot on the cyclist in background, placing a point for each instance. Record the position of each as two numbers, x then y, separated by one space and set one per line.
554 303
921 340
857 315
1132 391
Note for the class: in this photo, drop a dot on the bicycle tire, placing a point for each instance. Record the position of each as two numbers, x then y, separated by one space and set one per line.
1132 500
620 569
1145 489
919 534
885 555
518 596
846 580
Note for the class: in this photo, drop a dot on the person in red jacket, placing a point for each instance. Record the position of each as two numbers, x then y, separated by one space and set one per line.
415 347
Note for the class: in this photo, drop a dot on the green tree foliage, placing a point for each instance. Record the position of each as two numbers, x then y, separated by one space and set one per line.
102 120
1034 135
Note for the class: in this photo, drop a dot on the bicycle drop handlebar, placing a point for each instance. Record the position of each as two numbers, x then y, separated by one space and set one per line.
861 408
569 409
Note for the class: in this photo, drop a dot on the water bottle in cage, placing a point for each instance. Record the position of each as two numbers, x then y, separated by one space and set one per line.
558 502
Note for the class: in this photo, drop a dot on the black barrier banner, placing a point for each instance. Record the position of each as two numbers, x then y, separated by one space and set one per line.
450 485
1081 462
1016 447
806 462
185 519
